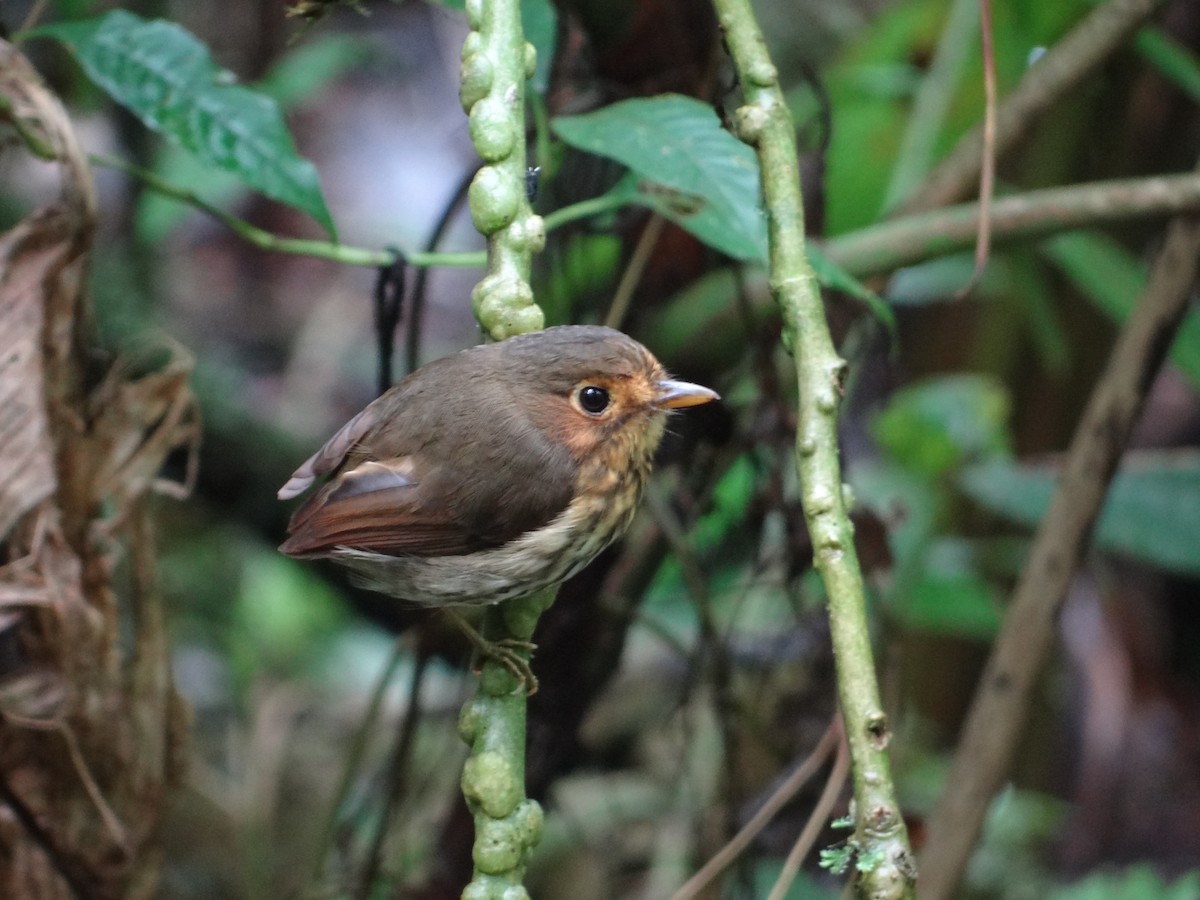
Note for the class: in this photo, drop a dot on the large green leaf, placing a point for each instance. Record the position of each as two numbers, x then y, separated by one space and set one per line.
1108 275
165 76
297 76
1152 512
699 175
1135 883
935 425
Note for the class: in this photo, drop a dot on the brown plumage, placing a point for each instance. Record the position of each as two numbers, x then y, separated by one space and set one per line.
491 473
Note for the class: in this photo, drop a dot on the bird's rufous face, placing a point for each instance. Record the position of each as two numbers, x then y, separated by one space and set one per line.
629 409
599 407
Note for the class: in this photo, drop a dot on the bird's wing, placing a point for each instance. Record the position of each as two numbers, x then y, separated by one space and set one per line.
330 456
390 507
417 474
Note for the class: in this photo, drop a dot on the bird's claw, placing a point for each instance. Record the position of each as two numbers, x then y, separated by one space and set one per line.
507 652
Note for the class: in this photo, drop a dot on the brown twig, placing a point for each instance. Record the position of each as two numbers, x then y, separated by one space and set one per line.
396 781
903 242
1047 81
1002 700
622 296
987 173
816 821
778 799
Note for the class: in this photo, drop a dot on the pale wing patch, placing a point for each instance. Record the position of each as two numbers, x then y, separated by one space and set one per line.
372 476
330 456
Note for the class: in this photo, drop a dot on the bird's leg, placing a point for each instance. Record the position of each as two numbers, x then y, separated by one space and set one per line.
503 651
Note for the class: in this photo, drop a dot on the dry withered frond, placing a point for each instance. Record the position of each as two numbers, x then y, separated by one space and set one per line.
90 725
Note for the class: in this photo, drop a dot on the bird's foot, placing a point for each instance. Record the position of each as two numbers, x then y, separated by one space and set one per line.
506 651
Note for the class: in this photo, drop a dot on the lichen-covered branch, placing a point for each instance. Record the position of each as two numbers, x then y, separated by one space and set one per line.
885 862
496 61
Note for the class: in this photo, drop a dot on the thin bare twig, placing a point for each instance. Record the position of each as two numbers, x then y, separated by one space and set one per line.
987 174
1047 81
778 799
903 242
632 275
816 821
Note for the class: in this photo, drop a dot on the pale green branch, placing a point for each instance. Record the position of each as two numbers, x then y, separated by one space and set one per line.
353 256
496 61
342 253
886 864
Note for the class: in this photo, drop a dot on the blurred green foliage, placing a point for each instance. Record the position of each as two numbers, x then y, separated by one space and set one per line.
935 464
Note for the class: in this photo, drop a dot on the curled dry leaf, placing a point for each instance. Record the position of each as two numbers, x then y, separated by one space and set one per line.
90 725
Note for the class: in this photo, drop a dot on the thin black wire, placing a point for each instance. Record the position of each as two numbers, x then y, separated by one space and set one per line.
389 307
417 305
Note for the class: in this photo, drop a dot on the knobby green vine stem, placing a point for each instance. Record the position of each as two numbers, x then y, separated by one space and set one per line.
496 61
885 862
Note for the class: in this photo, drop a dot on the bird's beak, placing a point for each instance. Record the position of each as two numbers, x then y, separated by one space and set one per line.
678 394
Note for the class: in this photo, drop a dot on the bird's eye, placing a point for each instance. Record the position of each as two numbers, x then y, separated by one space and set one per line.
593 399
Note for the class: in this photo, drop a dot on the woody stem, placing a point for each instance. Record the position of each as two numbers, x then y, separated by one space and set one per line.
885 861
496 61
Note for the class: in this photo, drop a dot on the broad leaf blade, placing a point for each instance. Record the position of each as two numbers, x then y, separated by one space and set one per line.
165 76
834 277
1152 512
936 425
297 76
1108 275
711 178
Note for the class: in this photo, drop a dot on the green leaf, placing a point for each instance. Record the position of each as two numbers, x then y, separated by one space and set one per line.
834 277
869 860
950 597
1152 512
837 859
294 78
1174 60
935 425
1108 275
677 143
165 76
1134 883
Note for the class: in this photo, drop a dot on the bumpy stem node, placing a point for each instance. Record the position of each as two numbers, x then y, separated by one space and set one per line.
886 866
496 61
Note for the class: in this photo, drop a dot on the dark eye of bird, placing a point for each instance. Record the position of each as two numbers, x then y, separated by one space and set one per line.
593 399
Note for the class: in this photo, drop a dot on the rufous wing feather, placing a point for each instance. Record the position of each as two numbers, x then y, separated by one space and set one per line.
382 506
330 456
